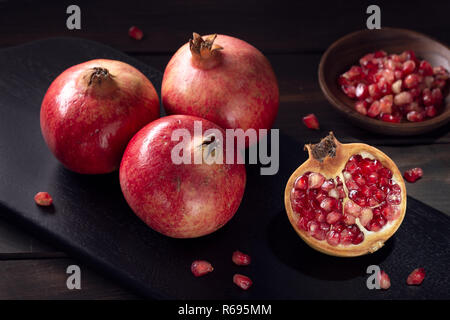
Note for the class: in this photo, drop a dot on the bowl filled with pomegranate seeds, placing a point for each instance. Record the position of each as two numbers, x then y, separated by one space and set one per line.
390 81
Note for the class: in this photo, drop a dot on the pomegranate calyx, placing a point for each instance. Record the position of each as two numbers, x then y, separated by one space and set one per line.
325 148
98 75
204 48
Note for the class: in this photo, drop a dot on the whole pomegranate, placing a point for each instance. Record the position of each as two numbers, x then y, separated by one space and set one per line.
181 199
222 79
92 110
346 199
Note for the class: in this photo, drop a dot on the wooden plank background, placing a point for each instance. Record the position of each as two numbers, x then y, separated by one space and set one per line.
292 34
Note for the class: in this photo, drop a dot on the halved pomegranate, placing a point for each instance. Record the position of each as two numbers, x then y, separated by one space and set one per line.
346 199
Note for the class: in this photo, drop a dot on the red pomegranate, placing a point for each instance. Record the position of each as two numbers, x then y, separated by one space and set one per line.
222 79
181 199
346 199
92 110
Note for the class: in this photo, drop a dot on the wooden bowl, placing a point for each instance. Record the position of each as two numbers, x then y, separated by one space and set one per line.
347 51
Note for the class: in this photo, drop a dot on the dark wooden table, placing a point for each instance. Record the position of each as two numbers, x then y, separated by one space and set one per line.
293 36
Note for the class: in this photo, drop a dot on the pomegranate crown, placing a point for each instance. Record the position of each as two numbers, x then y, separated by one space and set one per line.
204 47
325 148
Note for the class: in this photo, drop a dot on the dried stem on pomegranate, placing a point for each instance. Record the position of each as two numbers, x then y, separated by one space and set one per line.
204 48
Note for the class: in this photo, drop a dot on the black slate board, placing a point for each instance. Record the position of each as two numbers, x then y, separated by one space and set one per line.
92 221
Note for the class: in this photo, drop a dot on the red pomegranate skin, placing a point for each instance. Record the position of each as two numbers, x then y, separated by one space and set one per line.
239 91
184 200
88 126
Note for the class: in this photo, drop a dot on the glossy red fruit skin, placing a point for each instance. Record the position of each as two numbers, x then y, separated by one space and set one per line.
237 90
412 175
178 200
88 126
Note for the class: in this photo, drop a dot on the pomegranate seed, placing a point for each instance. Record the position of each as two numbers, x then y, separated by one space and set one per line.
425 68
361 107
411 81
374 109
431 111
414 116
242 281
383 279
374 91
386 104
358 238
428 81
135 33
352 208
328 185
436 96
390 118
43 199
315 180
366 216
311 121
240 258
333 237
349 90
403 98
365 60
397 86
426 97
412 175
416 277
201 267
361 91
408 67
302 183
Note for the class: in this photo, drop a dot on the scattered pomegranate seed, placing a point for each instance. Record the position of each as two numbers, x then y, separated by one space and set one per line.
201 267
416 277
242 281
43 199
311 121
135 33
241 259
390 87
383 278
412 175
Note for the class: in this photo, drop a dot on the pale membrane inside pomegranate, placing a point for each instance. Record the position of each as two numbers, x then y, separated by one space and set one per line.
364 198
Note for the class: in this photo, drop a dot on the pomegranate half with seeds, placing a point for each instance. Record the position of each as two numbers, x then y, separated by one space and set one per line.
346 199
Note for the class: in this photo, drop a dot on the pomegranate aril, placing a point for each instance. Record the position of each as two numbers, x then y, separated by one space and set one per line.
43 199
201 267
333 237
327 204
358 238
430 111
241 259
425 68
361 107
415 116
386 104
315 180
374 91
349 90
412 175
384 281
302 183
333 217
403 98
436 96
242 281
135 33
374 109
311 121
408 67
366 216
361 91
351 208
411 81
397 86
328 185
416 277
